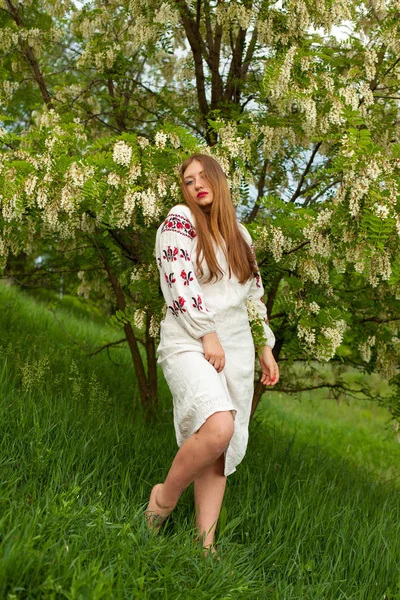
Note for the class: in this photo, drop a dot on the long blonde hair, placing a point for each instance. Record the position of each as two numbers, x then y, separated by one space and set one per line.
218 222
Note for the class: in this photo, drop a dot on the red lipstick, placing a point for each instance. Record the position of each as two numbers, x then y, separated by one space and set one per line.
202 194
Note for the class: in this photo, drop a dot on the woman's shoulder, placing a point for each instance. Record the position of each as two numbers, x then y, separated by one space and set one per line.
179 220
181 209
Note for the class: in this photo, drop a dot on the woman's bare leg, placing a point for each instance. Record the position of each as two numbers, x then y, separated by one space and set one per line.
209 489
202 449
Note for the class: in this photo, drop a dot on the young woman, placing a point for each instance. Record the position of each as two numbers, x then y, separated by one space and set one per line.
208 270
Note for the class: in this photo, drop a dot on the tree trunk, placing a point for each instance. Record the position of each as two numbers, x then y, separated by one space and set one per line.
144 387
151 362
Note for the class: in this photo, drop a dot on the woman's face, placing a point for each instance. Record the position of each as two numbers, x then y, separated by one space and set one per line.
197 185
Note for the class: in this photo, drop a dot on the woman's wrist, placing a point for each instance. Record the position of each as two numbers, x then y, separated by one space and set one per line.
262 348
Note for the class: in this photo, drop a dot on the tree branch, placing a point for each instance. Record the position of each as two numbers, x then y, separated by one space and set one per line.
107 346
260 192
378 320
30 55
197 46
298 190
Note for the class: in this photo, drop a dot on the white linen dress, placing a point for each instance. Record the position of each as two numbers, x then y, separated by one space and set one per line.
194 309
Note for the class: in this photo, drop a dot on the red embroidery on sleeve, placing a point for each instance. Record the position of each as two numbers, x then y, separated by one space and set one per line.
187 277
170 254
197 303
179 223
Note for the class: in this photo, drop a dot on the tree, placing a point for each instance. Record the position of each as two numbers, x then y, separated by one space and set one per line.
306 126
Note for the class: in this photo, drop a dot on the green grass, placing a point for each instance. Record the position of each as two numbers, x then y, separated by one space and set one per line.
311 513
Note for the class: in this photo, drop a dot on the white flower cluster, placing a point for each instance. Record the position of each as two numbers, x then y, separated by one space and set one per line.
314 308
161 139
266 31
8 38
49 118
154 327
140 33
334 337
359 188
87 224
145 272
101 60
233 13
235 144
282 83
309 109
88 26
398 224
308 269
76 174
373 170
114 179
166 14
41 197
139 318
277 243
84 286
252 310
306 335
151 210
9 209
9 88
299 18
350 95
162 185
379 267
367 94
365 348
30 184
335 115
3 247
67 199
319 243
381 210
122 153
146 200
134 173
142 142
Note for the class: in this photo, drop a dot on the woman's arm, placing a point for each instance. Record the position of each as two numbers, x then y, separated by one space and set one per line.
270 371
180 287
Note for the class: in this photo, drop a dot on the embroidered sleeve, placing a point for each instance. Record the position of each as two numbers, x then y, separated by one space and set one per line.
181 290
256 293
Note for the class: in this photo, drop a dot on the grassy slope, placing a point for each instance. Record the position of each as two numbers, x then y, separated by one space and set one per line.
312 512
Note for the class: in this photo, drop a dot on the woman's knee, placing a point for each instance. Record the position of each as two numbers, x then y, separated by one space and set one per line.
220 428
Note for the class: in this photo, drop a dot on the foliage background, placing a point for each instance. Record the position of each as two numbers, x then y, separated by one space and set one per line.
101 103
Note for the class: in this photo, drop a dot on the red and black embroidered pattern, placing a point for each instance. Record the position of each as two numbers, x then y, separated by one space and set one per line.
178 306
187 277
258 279
169 279
180 224
197 303
170 254
184 254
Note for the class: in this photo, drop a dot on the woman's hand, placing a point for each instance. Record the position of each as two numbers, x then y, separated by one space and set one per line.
270 371
213 351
